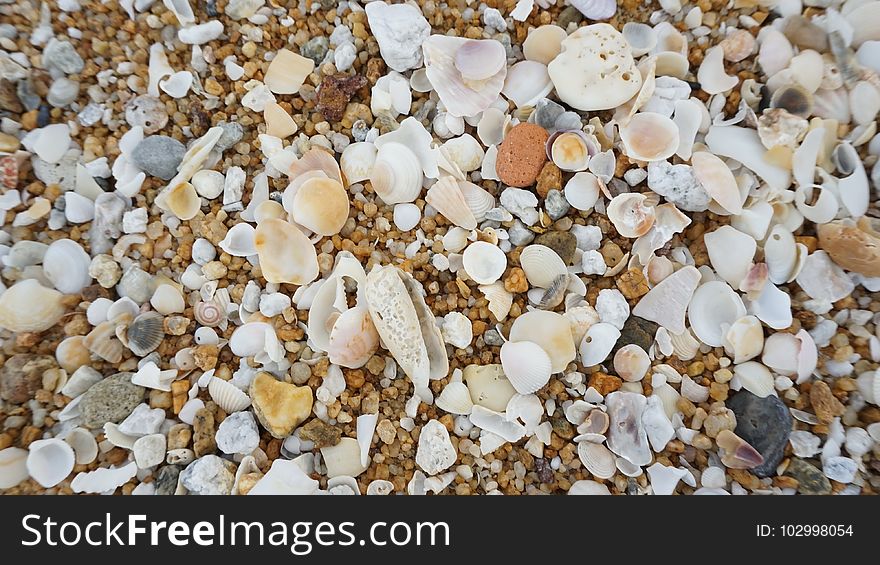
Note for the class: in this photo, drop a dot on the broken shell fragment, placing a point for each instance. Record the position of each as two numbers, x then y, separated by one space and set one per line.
551 331
287 72
447 198
713 308
630 214
286 255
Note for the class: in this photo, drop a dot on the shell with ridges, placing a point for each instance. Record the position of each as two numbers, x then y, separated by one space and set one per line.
228 396
397 174
446 197
357 161
316 159
28 306
209 313
597 459
145 333
455 398
526 364
500 299
541 265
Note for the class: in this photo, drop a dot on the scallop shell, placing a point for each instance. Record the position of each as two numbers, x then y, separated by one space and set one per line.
500 299
480 201
357 161
713 308
446 197
102 342
316 159
640 37
684 345
182 200
630 214
543 43
598 343
145 333
353 338
321 205
755 378
209 313
49 461
84 445
461 97
286 255
649 137
551 331
228 396
72 353
28 306
397 174
716 178
526 364
582 191
745 339
571 151
631 363
483 262
731 252
526 83
541 265
478 60
66 265
465 152
597 459
455 398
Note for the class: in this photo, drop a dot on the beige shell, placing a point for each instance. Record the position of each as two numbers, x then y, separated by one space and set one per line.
357 161
685 345
718 180
28 306
649 137
72 353
484 262
500 299
570 151
544 43
316 159
279 123
631 363
488 385
630 215
745 338
431 334
209 313
145 333
353 338
597 459
455 398
228 396
464 151
321 205
526 364
541 265
287 72
551 331
479 200
397 174
183 201
446 197
102 342
596 422
286 255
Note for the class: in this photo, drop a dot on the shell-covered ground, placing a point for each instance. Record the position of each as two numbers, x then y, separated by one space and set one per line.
534 247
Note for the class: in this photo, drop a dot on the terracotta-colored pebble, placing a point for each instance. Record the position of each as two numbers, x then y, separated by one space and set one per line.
521 155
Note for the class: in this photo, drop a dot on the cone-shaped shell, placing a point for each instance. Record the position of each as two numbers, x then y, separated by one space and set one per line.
286 255
526 364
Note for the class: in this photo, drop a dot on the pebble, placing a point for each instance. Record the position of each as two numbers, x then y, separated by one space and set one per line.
209 475
562 242
238 434
159 156
765 423
824 403
111 400
22 376
638 331
493 18
322 434
232 134
810 479
315 49
550 178
400 30
147 112
556 205
568 16
9 98
335 92
280 407
149 450
547 112
492 337
166 480
142 421
679 185
61 58
63 92
90 115
521 155
519 234
203 432
273 304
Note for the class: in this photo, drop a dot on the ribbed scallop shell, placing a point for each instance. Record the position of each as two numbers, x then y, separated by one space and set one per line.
500 299
316 159
480 201
102 342
145 333
455 398
397 174
526 365
446 197
228 396
542 265
597 459
357 161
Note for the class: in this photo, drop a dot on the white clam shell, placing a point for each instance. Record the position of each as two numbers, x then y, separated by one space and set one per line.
781 352
397 174
461 97
406 216
13 466
598 343
478 60
711 75
49 461
465 151
631 362
745 338
640 37
649 136
286 255
493 126
167 299
582 191
597 459
544 43
570 151
66 265
755 378
588 488
447 198
84 445
526 83
455 398
731 252
500 299
357 161
781 255
551 331
227 396
239 240
541 265
718 180
714 308
28 306
353 339
526 364
484 262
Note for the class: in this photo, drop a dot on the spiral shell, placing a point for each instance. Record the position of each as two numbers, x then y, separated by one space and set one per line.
209 313
631 216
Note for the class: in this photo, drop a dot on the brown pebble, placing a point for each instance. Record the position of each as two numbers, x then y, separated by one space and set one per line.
335 92
324 435
203 437
521 155
550 178
824 403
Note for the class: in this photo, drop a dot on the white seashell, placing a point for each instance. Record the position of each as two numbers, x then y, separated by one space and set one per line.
755 378
167 300
435 451
239 240
711 75
595 69
208 183
544 43
865 21
228 396
28 306
649 136
630 214
321 205
457 330
78 209
353 338
631 363
182 200
597 459
853 189
49 461
66 265
493 126
286 255
484 262
665 478
688 117
406 216
656 422
13 466
775 53
72 354
589 488
465 151
781 255
551 331
541 265
526 365
526 83
380 487
455 398
640 37
669 63
598 343
397 174
773 307
582 191
480 201
570 151
713 308
455 240
84 445
413 135
317 158
478 60
731 252
580 318
462 97
344 458
500 299
716 178
446 197
745 339
781 352
287 72
357 161
744 145
685 346
488 386
627 436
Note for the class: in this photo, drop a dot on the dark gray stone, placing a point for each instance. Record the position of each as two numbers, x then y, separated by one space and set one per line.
556 205
166 480
810 479
765 423
159 156
562 242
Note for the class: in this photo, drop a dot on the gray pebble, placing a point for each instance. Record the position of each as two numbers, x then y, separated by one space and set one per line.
519 234
232 134
62 92
547 112
765 423
111 400
209 475
556 205
159 156
315 49
61 58
166 480
492 337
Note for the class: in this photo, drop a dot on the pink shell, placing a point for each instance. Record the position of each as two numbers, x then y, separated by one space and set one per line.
480 59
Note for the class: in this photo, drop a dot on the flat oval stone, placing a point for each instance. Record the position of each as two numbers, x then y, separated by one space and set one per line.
521 155
111 400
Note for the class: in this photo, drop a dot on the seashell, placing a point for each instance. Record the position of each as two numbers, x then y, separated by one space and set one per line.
542 265
745 339
744 145
570 151
631 363
357 161
406 216
500 299
316 159
465 151
773 307
72 353
713 308
321 205
286 255
597 459
460 96
669 63
102 342
775 52
854 188
552 296
736 453
526 83
855 247
182 200
630 214
730 252
483 262
684 345
543 43
598 343
228 396
551 331
716 178
208 183
239 240
640 37
488 386
353 339
589 488
596 422
84 446
755 378
865 21
397 174
209 313
49 461
479 200
455 398
446 197
794 99
66 265
649 136
287 72
666 303
582 191
526 364
478 60
580 318
167 300
781 255
657 269
595 69
711 75
279 123
28 306
145 333
781 351
493 126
